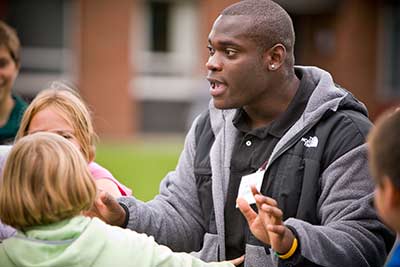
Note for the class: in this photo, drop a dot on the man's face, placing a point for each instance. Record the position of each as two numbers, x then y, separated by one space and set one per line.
236 69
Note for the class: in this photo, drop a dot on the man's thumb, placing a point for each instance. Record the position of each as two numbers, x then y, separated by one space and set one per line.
107 199
245 209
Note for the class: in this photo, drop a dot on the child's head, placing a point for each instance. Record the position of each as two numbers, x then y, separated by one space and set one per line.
384 160
45 180
63 112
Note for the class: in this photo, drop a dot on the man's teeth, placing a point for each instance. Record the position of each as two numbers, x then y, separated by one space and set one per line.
214 85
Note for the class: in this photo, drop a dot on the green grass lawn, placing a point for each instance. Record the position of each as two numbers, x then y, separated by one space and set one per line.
140 165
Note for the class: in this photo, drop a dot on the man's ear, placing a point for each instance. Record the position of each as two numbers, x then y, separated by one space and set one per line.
275 57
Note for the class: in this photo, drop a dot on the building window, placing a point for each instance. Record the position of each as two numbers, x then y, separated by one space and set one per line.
160 20
44 28
391 51
41 28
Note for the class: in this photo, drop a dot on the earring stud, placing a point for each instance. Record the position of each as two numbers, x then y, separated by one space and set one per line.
272 67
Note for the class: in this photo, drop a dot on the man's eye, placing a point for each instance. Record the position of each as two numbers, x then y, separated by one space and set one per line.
211 50
230 52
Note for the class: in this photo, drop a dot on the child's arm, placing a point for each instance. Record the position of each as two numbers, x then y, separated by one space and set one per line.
146 252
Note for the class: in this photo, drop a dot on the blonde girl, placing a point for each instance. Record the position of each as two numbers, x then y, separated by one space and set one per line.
46 186
60 110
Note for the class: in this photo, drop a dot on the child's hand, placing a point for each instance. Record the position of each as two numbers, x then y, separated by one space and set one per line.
267 225
237 261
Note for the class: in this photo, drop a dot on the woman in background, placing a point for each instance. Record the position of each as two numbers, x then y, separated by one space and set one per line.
11 106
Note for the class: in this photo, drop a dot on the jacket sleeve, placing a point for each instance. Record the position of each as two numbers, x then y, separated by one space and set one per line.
6 231
153 254
173 217
350 233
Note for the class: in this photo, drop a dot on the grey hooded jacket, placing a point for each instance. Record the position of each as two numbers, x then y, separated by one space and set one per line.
334 220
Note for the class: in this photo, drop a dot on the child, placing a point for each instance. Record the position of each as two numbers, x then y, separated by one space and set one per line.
46 185
63 112
384 159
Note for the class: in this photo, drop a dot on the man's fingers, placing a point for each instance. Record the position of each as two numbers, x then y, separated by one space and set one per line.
260 199
277 229
106 198
254 190
246 210
271 210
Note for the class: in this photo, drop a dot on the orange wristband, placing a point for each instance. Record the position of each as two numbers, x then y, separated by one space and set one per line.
291 251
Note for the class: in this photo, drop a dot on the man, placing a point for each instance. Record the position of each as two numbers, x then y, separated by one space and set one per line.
290 130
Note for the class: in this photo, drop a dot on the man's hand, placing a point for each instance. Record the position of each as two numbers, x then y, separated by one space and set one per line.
107 209
267 225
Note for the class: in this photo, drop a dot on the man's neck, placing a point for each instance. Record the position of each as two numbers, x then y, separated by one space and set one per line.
272 107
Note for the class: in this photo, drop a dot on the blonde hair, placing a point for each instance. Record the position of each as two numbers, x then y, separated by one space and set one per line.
72 108
45 180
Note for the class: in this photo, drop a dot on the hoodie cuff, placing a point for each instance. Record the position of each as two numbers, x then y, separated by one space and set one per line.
126 214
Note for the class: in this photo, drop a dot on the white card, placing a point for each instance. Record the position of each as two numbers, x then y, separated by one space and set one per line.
247 181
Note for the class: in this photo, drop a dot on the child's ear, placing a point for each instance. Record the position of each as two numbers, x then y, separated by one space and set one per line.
392 194
91 158
92 151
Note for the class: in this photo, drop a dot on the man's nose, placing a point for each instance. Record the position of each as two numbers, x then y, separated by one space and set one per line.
213 64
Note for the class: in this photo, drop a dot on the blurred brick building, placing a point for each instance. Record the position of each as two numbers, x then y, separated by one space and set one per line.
140 63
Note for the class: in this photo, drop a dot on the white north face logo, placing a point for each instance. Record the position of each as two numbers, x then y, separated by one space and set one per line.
312 141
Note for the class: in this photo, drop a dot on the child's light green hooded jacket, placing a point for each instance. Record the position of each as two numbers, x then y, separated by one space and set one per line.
82 241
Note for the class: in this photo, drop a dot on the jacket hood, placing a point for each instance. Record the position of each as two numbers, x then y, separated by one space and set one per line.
58 244
326 98
327 95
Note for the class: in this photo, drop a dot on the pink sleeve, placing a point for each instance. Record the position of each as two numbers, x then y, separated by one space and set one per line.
98 172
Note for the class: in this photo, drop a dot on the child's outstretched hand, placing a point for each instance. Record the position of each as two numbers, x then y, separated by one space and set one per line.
237 261
267 224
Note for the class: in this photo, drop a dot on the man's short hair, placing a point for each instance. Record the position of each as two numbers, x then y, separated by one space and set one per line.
45 180
271 24
9 40
384 148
